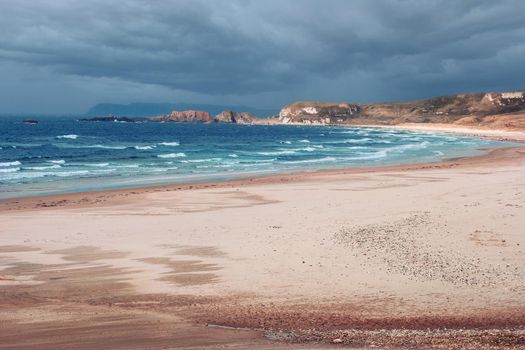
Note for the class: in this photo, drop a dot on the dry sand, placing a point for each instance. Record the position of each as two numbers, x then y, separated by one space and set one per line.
427 256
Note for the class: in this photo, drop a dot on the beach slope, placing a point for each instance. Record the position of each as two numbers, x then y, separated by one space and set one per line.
428 256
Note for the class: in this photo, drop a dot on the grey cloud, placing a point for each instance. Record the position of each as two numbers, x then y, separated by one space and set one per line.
271 51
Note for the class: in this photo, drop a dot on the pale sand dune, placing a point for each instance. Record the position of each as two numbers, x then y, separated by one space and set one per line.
390 256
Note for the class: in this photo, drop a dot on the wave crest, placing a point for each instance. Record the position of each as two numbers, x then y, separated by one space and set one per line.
69 136
16 162
172 155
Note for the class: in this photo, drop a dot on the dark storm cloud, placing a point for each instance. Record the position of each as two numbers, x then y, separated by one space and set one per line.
366 50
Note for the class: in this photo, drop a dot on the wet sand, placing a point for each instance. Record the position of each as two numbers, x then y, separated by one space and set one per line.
425 256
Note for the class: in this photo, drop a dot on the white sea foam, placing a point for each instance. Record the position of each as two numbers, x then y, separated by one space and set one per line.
16 162
100 165
9 170
363 140
54 166
128 166
259 163
40 174
70 173
158 170
103 171
172 155
233 155
175 143
369 156
308 149
277 153
106 147
316 160
58 161
69 136
287 142
201 160
143 147
421 145
353 131
305 141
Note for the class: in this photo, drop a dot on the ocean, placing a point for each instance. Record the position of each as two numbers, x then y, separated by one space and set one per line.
64 155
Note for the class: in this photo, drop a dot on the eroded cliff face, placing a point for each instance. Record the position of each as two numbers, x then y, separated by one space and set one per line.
317 112
235 117
190 116
459 109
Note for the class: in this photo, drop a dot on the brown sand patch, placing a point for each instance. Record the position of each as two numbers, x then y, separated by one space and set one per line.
16 248
91 307
66 281
334 316
229 199
86 254
100 327
445 339
198 251
191 279
186 272
203 252
487 238
358 325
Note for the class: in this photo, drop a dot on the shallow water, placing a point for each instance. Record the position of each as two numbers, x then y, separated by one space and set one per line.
64 155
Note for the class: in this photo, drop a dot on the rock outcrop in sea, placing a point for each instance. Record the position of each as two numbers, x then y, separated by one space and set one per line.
113 119
190 116
235 117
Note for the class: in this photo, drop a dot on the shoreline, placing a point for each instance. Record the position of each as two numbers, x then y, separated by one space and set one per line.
97 197
496 135
513 135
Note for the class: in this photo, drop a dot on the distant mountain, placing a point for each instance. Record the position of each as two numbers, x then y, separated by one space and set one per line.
155 109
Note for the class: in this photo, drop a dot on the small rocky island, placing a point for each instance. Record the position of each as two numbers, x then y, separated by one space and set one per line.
190 116
30 121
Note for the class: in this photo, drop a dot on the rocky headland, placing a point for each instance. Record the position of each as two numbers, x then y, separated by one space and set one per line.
497 110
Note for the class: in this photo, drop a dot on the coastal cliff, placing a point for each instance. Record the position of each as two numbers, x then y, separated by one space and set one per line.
317 112
501 110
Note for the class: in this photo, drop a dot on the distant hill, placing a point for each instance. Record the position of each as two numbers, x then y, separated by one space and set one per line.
155 109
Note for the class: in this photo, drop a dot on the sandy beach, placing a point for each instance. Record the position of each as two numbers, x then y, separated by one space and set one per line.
428 256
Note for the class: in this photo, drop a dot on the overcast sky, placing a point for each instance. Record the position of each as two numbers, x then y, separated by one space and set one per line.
59 56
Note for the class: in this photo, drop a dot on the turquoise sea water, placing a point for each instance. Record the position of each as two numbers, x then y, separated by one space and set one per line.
64 155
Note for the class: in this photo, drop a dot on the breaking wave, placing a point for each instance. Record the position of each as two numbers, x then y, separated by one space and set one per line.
172 155
16 162
69 136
